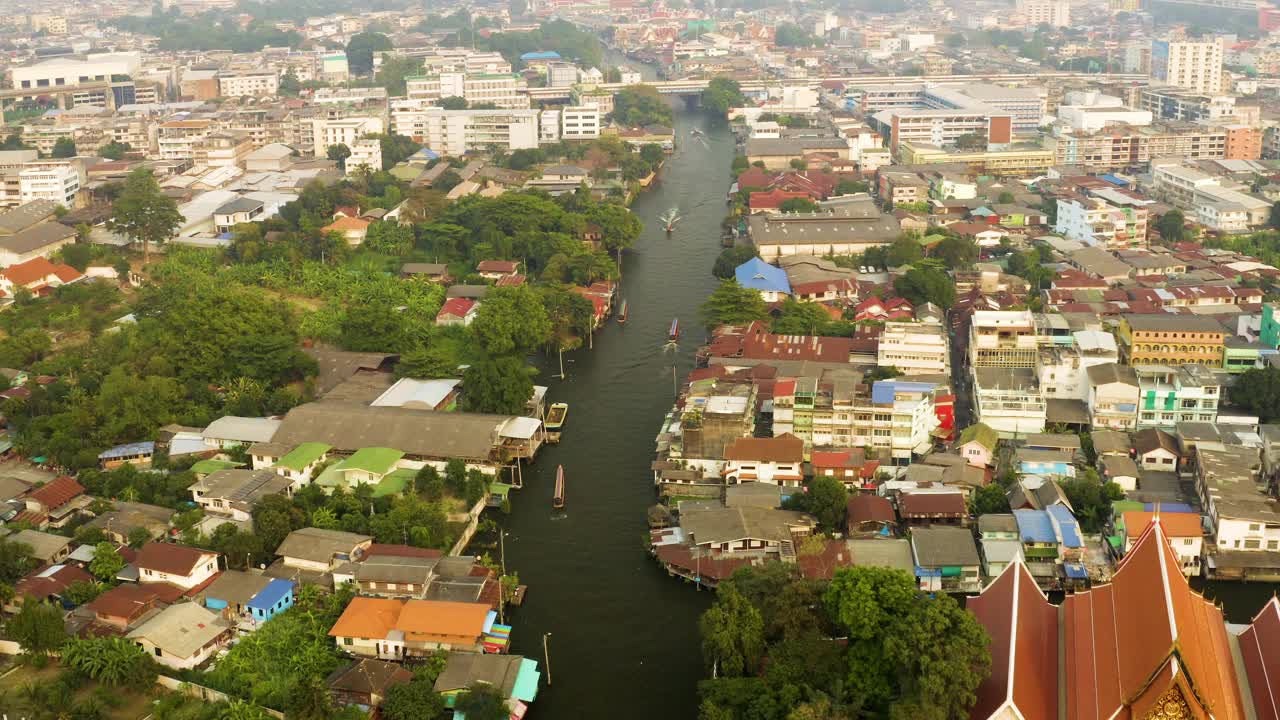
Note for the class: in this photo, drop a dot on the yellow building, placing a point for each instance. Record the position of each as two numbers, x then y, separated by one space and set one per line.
1018 160
1163 339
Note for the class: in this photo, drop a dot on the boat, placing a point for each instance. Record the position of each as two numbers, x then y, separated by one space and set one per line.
696 132
556 416
557 500
622 312
674 334
669 219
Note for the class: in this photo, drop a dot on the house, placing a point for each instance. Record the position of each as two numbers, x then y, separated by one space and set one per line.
395 575
1183 529
231 591
431 272
984 234
37 241
58 501
124 518
234 493
514 676
743 530
946 559
777 460
138 453
320 550
848 466
977 445
45 547
497 269
365 682
869 514
367 466
1045 463
186 567
124 606
274 599
769 280
392 629
922 509
457 311
351 229
237 211
301 462
1036 493
47 583
37 275
1156 450
182 636
1121 470
231 431
1113 396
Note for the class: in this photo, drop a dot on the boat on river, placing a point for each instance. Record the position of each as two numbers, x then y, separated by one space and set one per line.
669 219
557 500
674 333
556 416
622 312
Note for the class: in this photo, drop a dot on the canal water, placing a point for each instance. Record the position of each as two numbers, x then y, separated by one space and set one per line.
624 641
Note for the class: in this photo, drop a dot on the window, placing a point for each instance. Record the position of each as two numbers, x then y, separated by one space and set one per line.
1252 544
1188 541
159 652
1253 527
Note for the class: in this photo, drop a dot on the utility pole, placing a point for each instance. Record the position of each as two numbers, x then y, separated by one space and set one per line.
546 657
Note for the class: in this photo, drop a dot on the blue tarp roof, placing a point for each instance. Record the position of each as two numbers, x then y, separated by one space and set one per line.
1068 528
426 153
1075 571
882 391
760 275
128 450
1035 526
1114 180
541 55
271 594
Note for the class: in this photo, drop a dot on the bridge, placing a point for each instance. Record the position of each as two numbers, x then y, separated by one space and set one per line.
690 87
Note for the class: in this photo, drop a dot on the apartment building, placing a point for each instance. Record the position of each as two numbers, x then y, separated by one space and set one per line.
1169 395
454 132
177 139
263 126
1112 396
226 148
1244 142
1094 221
437 60
55 180
836 410
248 83
365 153
1170 103
561 74
1056 13
580 122
1192 65
1025 106
1217 206
1002 339
914 348
942 127
1244 525
1162 339
502 90
1018 160
327 132
1124 146
1009 400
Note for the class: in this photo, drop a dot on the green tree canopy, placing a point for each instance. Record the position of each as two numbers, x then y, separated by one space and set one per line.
732 634
64 147
1258 392
360 51
144 214
415 700
38 628
511 320
958 253
639 105
1172 226
926 284
501 385
732 304
721 94
106 563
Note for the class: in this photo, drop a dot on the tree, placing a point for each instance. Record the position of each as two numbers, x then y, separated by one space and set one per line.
1273 219
1258 392
64 147
415 700
730 258
1005 198
721 94
849 187
16 561
1172 226
38 627
112 661
308 700
926 284
429 484
360 51
392 74
500 385
144 214
940 657
114 150
453 102
827 500
1091 499
732 632
483 701
971 141
988 500
639 105
339 154
798 205
289 84
732 304
792 35
869 604
958 253
511 320
81 592
906 250
801 318
106 563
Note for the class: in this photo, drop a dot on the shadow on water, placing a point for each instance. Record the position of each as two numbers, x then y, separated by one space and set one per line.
623 635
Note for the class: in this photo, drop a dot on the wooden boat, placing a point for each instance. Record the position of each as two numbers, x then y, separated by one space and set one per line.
556 416
674 333
622 313
669 219
557 500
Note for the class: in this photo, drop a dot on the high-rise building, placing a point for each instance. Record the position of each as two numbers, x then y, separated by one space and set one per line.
1192 65
1046 12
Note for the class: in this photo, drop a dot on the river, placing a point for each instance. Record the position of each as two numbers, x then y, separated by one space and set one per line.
624 640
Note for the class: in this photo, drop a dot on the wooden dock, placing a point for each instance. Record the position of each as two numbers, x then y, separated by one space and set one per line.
517 597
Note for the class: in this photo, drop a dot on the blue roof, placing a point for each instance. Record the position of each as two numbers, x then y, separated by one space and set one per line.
760 275
982 212
271 594
882 391
1114 180
1035 526
541 55
1165 507
128 450
1068 528
1075 570
426 153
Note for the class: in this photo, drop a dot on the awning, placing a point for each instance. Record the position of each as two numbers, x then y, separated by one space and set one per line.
1075 571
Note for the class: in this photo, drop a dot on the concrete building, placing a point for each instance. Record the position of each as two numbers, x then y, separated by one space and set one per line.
1125 146
580 122
1002 339
55 180
1169 395
178 139
454 132
1162 339
897 417
365 153
223 149
248 83
1094 221
1192 65
1171 103
328 132
75 70
915 348
1009 400
503 90
1055 13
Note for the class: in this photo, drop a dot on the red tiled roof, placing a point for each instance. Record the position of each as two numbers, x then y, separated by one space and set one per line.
773 199
31 271
1260 646
456 307
498 266
932 503
510 281
66 273
865 507
823 565
42 582
127 601
169 558
782 448
1023 627
57 493
715 567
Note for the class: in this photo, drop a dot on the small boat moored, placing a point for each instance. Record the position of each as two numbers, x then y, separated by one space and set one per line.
557 500
622 312
556 416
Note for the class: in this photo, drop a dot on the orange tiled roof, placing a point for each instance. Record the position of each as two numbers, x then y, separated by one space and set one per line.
1023 626
455 623
57 493
344 224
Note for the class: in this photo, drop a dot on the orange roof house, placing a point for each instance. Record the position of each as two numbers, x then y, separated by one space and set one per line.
397 626
1143 646
352 229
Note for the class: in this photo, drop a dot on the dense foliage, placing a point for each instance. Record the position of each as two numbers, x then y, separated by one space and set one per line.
721 94
210 31
558 36
1258 392
640 105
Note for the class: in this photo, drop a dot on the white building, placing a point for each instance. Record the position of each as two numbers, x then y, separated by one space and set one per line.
73 70
454 132
580 122
1091 118
1002 338
1056 13
1009 400
1094 221
914 348
248 83
1171 395
549 127
503 90
367 153
1192 65
58 181
328 132
561 75
177 140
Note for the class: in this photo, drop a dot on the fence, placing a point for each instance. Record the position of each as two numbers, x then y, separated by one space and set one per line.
205 693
